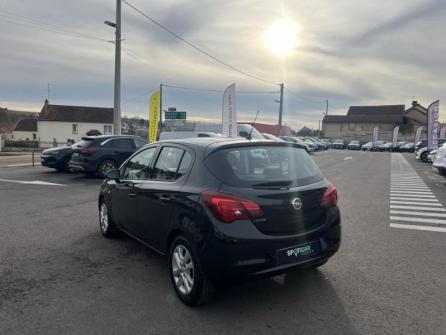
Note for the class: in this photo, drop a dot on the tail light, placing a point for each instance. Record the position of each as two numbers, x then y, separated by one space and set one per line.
330 198
229 208
88 150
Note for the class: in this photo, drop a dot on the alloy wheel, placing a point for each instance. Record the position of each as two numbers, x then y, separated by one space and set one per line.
106 167
104 217
183 269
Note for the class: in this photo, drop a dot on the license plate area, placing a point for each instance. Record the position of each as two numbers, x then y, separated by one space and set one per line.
298 253
75 154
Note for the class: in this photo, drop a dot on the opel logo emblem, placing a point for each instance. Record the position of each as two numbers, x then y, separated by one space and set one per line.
297 203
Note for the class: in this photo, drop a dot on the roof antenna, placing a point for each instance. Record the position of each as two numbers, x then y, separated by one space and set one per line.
252 127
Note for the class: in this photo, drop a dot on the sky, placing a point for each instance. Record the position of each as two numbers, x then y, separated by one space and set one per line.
351 52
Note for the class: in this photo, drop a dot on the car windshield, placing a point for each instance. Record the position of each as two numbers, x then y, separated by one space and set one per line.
339 141
354 142
263 166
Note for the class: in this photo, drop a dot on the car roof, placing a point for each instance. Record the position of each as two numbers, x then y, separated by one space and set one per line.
105 137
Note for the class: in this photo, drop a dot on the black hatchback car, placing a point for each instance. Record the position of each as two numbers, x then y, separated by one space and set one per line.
100 154
223 210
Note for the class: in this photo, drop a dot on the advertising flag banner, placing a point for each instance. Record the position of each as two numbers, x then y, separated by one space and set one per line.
442 131
375 134
432 125
154 116
395 135
418 134
229 112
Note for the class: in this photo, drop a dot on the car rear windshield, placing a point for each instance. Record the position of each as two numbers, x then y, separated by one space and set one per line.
82 144
263 166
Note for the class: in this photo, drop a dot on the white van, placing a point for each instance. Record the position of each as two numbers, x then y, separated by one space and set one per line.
244 130
175 135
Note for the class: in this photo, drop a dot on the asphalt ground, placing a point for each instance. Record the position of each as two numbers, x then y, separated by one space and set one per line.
58 275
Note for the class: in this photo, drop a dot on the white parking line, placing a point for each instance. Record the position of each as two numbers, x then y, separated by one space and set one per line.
418 220
32 182
412 199
433 203
24 164
432 209
415 227
439 215
411 195
411 192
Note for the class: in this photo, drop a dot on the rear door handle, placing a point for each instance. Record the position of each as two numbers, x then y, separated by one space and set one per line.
165 198
132 195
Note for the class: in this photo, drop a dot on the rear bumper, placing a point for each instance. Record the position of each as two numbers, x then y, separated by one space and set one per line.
84 165
234 260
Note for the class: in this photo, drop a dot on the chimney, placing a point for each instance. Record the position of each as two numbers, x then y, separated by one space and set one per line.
46 102
414 103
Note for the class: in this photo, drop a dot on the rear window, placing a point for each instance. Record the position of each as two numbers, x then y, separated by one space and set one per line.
82 144
263 166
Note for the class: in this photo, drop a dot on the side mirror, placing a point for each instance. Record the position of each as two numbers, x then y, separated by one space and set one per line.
113 174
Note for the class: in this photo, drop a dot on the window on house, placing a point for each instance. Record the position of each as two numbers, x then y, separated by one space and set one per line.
34 136
75 128
107 130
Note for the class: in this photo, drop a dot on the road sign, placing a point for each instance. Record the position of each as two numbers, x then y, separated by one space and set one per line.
174 123
174 115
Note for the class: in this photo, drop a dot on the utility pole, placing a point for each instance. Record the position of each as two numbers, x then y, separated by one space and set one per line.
48 89
117 92
280 109
326 107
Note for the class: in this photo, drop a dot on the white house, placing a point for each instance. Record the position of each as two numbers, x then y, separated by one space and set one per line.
59 124
25 130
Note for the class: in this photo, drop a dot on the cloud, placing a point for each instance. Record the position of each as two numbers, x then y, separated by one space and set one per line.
351 53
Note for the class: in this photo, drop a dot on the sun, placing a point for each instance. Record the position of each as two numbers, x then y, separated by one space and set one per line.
281 38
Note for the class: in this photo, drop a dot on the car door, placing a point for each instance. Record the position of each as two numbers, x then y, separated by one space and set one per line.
157 197
134 172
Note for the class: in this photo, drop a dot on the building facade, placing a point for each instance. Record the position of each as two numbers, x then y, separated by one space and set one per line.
60 124
360 121
25 130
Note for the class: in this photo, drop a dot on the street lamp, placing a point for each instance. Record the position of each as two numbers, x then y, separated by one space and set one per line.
117 90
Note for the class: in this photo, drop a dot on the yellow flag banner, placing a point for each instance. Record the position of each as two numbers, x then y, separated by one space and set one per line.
154 116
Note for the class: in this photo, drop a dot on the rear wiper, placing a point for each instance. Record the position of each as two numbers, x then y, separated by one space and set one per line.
283 183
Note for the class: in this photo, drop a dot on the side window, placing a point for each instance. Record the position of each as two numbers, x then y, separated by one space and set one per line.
185 164
139 143
139 166
121 143
167 164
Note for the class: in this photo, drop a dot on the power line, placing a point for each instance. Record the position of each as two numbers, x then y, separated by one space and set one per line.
305 98
196 47
33 23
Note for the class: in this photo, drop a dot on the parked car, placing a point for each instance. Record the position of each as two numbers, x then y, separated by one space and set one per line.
420 144
100 154
376 146
326 141
56 158
309 147
399 145
338 144
388 146
423 153
320 145
408 147
272 137
366 146
354 145
219 213
440 160
311 144
431 156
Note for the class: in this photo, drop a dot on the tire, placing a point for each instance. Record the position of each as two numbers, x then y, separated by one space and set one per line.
442 172
107 226
423 157
185 268
106 166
